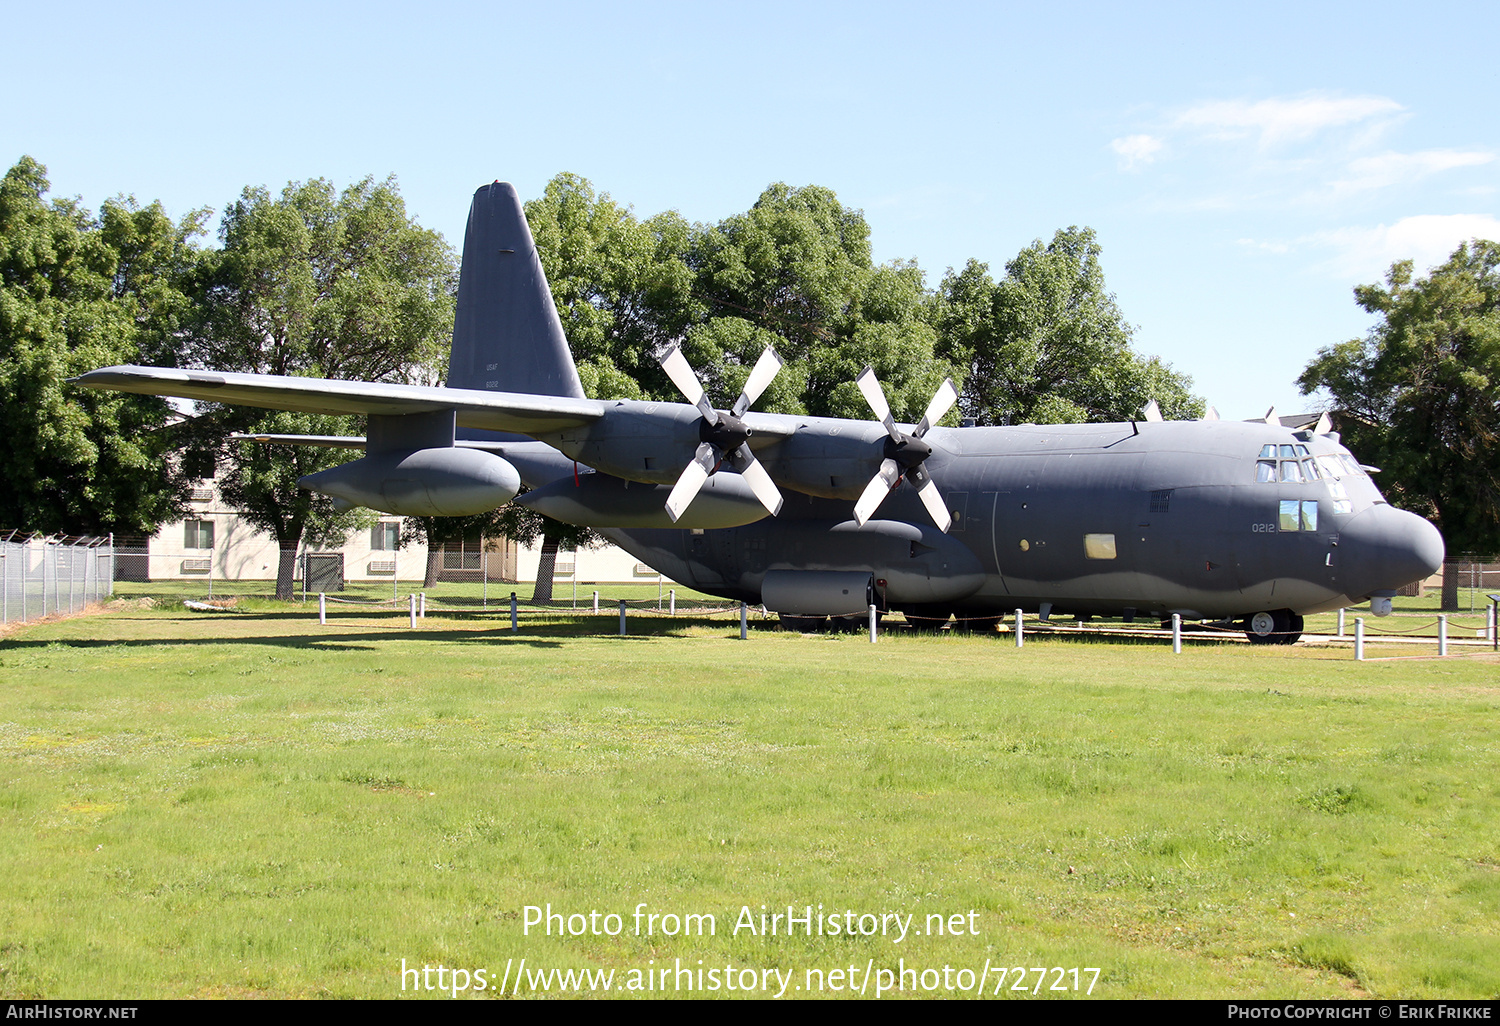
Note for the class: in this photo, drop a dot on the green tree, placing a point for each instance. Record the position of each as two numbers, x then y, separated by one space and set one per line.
795 270
1048 344
1419 395
320 284
76 293
622 287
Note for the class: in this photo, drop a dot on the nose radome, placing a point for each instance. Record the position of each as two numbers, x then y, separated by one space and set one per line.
1385 548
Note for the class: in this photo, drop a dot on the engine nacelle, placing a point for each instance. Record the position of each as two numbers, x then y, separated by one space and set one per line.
601 500
438 482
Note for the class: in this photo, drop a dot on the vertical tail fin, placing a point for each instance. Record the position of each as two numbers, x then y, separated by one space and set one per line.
506 335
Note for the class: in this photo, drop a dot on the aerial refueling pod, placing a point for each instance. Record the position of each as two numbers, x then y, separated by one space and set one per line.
818 592
425 483
412 468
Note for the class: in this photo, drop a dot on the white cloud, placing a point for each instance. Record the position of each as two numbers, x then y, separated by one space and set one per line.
1283 119
1388 169
1365 254
1135 150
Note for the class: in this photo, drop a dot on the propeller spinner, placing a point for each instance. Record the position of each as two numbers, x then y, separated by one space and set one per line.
723 434
904 454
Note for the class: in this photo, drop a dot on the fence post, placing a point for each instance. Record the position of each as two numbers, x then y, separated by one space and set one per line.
411 605
672 609
322 608
1359 638
622 618
1341 622
422 605
1020 637
1442 635
744 620
1177 634
514 628
596 602
872 624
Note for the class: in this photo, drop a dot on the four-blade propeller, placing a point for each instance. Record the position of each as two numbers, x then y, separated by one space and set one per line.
904 454
724 438
723 434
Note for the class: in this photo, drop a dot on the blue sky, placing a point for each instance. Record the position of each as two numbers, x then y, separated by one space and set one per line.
1243 165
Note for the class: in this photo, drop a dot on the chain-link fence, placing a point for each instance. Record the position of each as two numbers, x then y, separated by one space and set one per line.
42 576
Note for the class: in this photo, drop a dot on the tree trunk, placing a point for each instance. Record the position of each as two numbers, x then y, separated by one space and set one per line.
544 571
286 569
434 564
1452 571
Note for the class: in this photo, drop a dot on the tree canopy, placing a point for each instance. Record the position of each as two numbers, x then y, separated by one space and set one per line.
1419 395
322 284
1048 344
79 292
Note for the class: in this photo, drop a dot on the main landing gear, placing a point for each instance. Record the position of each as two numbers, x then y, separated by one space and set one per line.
1277 627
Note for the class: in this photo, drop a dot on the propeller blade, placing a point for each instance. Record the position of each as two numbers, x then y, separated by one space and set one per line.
756 477
766 369
875 492
1152 412
691 480
686 379
870 388
927 491
942 402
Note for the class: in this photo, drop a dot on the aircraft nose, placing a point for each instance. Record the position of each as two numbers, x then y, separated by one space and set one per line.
1384 548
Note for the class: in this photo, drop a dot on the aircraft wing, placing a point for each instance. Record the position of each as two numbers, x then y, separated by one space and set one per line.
493 411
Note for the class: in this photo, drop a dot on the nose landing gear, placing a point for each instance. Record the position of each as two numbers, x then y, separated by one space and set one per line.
1276 627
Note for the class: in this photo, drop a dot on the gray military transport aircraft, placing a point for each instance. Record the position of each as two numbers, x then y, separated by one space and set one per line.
1249 524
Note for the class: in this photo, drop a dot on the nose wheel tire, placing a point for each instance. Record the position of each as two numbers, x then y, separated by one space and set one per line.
1276 627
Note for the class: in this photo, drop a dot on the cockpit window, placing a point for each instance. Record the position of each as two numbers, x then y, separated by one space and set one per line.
1291 470
1298 515
1288 452
1265 470
1268 451
1310 469
1331 466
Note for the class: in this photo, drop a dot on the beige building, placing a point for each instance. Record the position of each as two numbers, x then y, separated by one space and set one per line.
214 541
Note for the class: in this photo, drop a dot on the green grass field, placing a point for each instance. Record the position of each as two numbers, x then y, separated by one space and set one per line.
250 804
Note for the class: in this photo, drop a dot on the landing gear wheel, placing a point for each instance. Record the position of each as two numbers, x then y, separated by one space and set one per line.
803 624
1277 627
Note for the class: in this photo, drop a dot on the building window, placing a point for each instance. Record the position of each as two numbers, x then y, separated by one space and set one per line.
199 534
385 536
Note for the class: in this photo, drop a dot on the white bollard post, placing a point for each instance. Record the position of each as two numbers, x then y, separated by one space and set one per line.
513 622
622 618
1359 638
744 621
672 602
1341 623
322 608
872 625
1442 635
422 605
1177 634
411 605
596 603
1020 637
